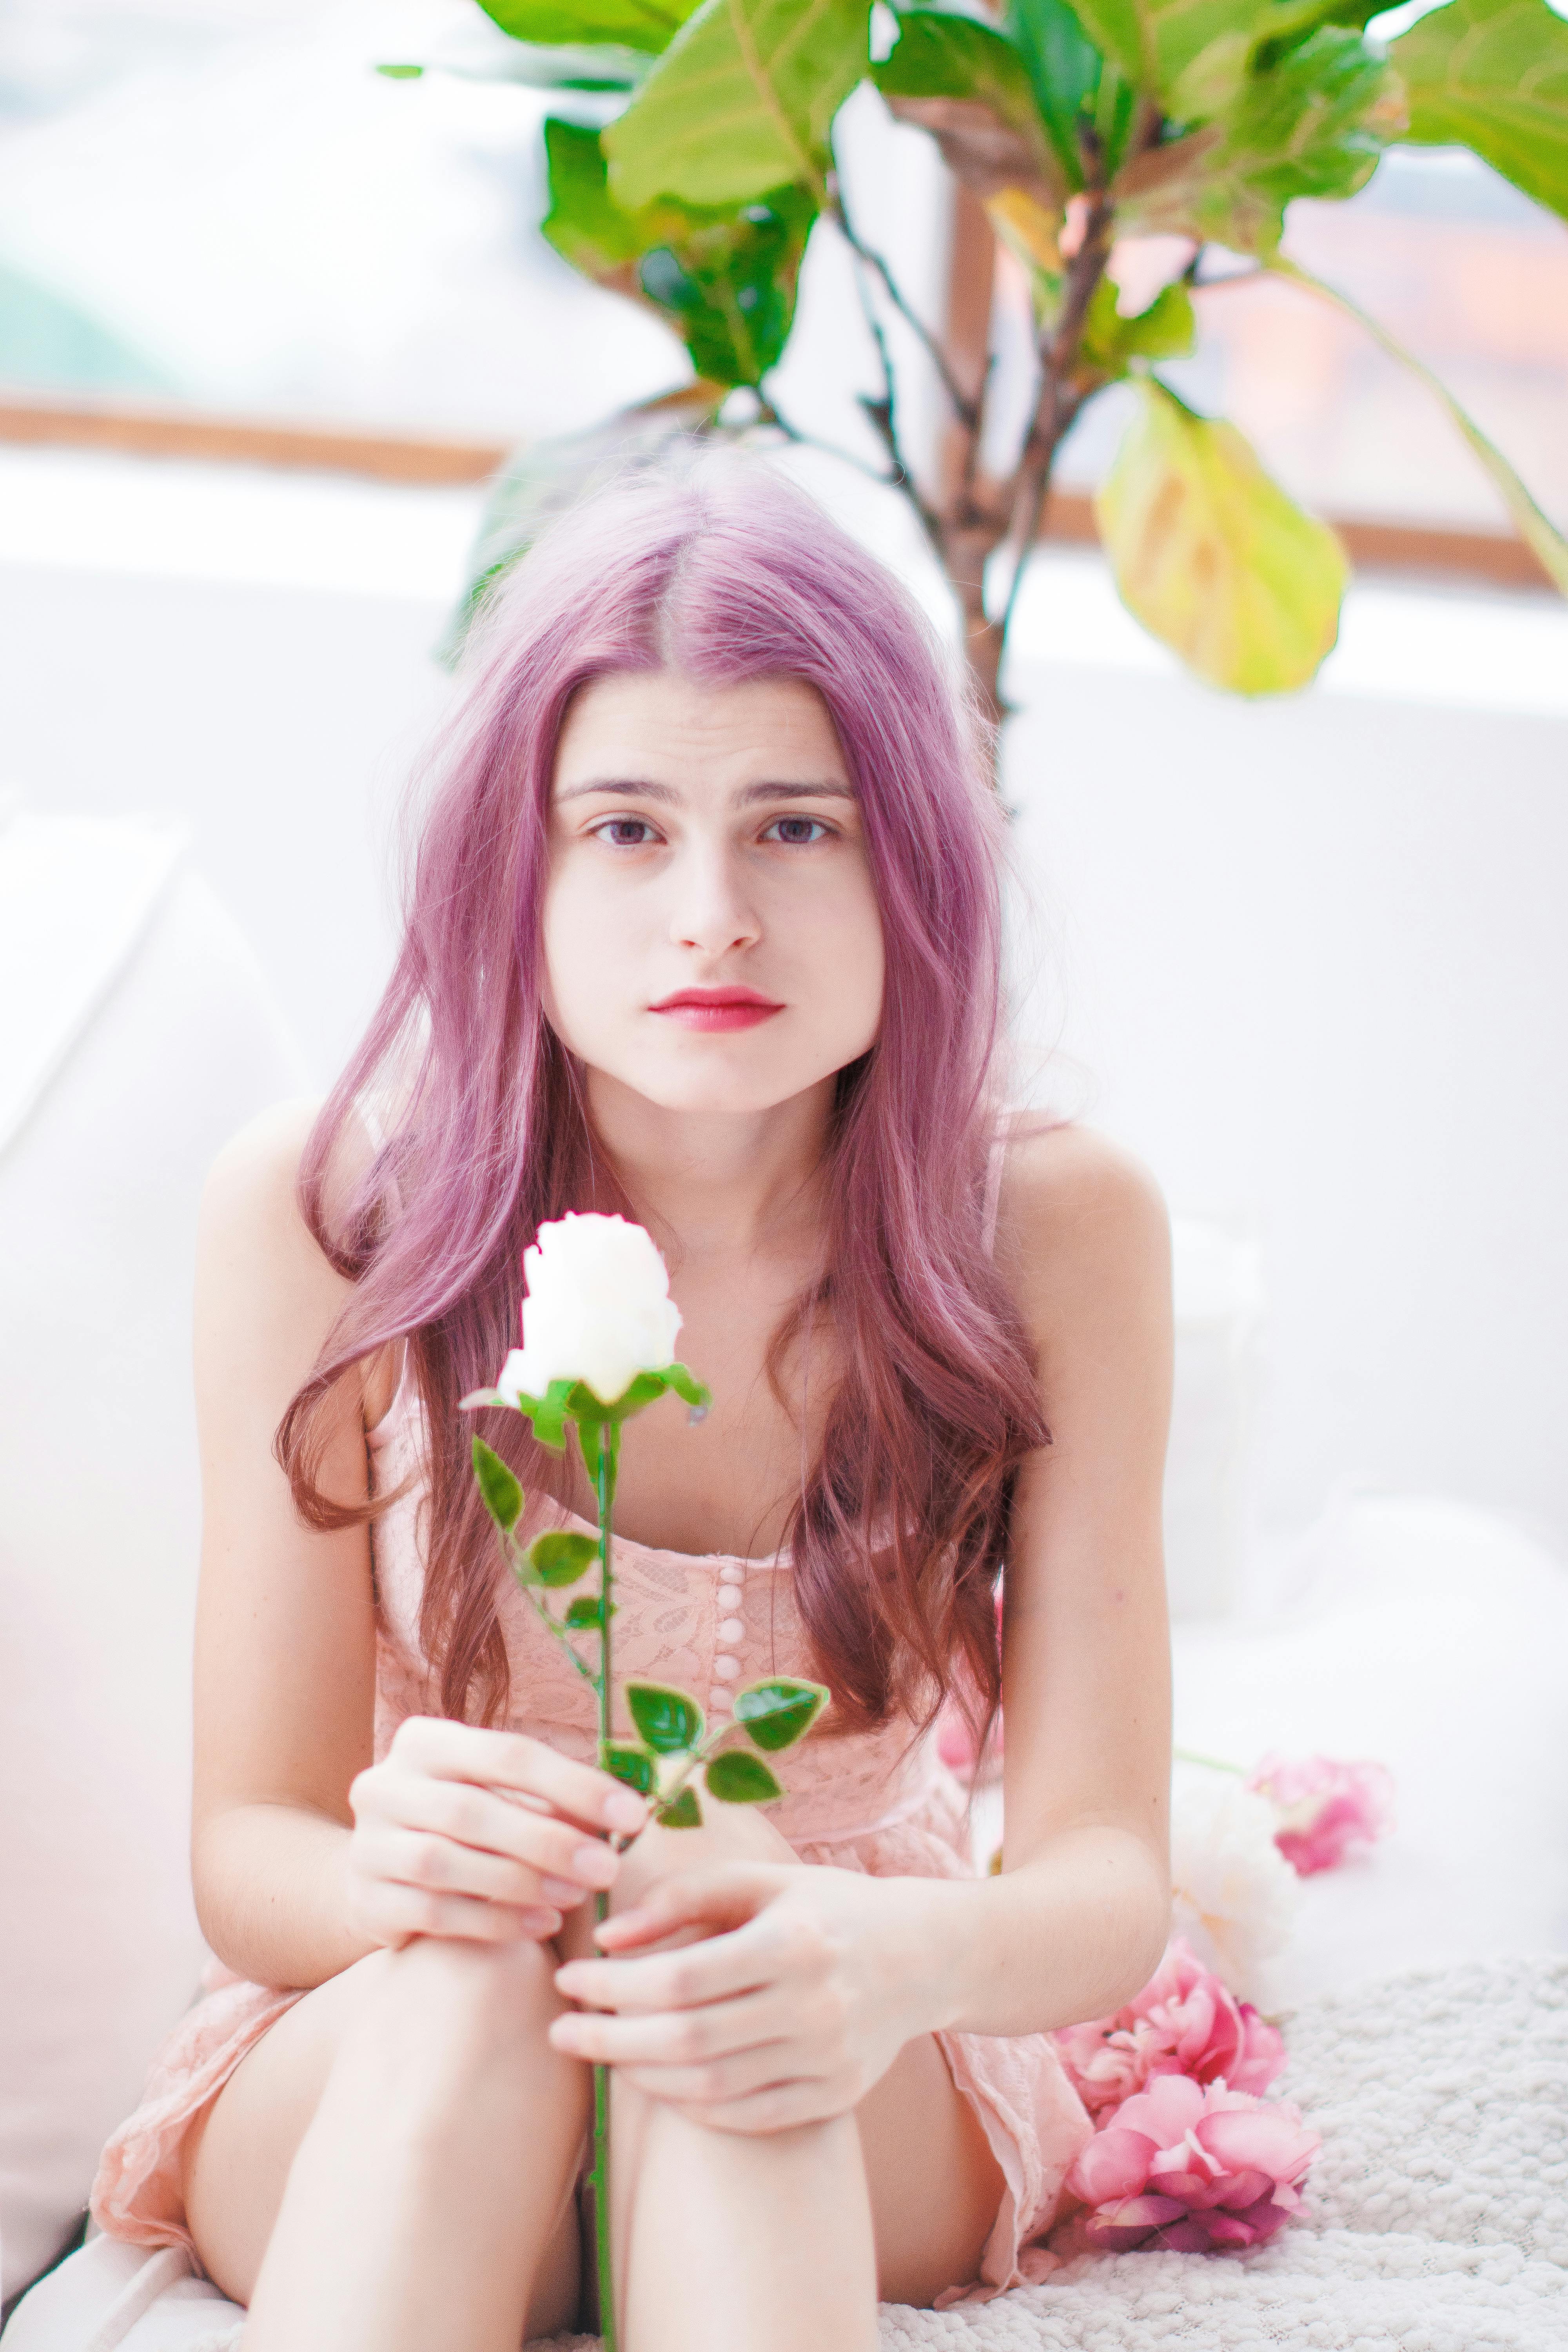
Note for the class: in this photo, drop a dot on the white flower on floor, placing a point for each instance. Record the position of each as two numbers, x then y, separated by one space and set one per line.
598 1310
1235 1895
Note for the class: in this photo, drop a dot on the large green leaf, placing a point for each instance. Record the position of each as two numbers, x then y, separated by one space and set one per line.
1312 124
1493 74
1211 555
645 24
1539 532
1165 329
741 103
723 279
1068 75
964 83
1154 42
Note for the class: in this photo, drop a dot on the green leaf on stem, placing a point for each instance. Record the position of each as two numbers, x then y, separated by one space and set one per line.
1314 124
549 1414
584 1614
670 1721
1152 42
682 1812
645 24
776 1714
1211 555
967 85
501 1492
1492 75
561 1556
739 103
635 1766
739 1779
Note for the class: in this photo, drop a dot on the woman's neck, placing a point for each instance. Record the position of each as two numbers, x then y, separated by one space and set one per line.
712 1185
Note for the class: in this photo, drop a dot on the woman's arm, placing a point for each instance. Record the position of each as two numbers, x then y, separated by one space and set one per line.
306 1856
1076 1920
285 1658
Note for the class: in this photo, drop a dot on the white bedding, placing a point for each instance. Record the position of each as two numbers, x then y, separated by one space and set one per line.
1438 2218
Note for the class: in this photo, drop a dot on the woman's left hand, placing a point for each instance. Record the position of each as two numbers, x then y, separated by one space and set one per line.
807 1986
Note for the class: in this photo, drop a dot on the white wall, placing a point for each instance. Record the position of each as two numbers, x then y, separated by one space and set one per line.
1310 958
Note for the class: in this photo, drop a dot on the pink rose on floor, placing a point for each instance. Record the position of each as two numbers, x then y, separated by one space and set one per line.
1185 2022
1189 2168
1325 1807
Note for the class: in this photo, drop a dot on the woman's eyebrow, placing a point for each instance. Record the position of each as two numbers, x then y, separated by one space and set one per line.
828 789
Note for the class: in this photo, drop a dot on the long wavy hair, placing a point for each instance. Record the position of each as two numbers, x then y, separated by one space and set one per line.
722 570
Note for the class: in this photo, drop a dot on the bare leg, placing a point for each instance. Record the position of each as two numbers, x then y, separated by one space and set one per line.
391 2169
783 2241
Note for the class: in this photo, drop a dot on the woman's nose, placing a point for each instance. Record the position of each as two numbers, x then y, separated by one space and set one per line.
713 912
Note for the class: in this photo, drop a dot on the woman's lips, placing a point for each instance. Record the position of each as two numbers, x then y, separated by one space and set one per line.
711 1009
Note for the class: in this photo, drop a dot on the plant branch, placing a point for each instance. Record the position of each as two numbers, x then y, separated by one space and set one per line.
884 416
556 1628
967 411
769 413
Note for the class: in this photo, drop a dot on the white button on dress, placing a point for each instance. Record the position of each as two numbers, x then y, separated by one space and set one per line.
726 1669
732 1629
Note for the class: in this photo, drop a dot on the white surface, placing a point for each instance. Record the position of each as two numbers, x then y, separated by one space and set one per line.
1304 957
1435 2219
97 1539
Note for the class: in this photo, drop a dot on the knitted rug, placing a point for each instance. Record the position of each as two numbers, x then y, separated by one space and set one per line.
1436 2218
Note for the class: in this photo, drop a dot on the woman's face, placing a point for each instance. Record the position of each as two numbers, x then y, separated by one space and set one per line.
712 935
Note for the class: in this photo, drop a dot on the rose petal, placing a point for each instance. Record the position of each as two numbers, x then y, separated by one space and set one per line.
1114 2164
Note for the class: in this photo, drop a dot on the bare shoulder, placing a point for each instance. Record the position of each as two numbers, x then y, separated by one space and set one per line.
261 1271
1082 1224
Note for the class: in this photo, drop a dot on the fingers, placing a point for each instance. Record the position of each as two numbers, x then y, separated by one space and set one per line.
510 1759
745 1959
481 1829
396 1914
723 1895
679 2039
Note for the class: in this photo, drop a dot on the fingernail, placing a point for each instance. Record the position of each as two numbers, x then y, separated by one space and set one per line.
596 1865
561 1890
539 1921
624 1810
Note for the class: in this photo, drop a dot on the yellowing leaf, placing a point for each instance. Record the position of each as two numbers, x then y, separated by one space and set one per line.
1211 555
739 103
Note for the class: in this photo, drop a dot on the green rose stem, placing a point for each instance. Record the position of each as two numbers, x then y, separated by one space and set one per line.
609 1448
671 1737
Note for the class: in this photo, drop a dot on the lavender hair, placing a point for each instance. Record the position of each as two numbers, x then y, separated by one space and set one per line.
722 569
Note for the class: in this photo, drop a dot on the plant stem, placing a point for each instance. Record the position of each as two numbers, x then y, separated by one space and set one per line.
609 1440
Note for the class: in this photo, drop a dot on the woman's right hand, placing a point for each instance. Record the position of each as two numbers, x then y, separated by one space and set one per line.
484 1834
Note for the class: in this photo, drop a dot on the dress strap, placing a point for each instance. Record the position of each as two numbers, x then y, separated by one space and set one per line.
994 1165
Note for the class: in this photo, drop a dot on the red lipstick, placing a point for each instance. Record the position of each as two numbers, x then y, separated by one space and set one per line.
714 1009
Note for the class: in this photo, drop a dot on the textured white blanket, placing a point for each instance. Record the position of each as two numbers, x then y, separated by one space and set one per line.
1438 2218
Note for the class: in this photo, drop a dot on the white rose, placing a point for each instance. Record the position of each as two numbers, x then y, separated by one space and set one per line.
1235 1895
598 1310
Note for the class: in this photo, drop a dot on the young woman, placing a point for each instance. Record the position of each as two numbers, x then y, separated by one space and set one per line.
703 929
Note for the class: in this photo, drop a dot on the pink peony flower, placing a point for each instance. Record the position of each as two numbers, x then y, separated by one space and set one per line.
1325 1807
1190 2167
1185 2022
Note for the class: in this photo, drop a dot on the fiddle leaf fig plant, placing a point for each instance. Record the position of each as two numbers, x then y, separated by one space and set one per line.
1084 128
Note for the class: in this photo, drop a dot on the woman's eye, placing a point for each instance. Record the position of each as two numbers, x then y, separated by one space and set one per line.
626 831
796 831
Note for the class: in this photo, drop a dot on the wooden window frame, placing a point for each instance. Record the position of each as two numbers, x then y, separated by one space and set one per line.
1492 559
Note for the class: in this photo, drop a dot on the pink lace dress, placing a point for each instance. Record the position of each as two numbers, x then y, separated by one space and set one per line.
874 1802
